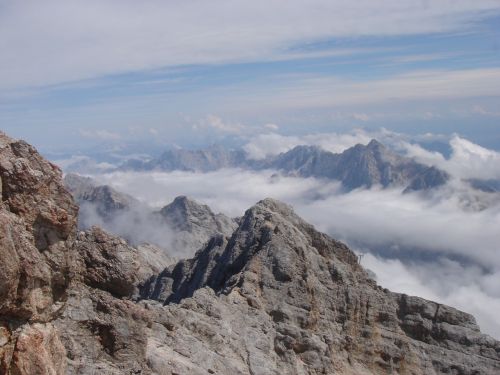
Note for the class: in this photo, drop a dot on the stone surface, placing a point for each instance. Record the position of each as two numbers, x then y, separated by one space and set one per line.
275 297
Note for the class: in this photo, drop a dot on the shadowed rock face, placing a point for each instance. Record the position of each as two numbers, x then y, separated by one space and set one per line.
275 297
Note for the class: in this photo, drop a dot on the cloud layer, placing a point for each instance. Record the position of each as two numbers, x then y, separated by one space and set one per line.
436 234
441 245
84 39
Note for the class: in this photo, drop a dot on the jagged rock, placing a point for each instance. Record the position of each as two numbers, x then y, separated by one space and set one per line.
360 166
194 223
275 297
106 201
37 217
39 350
318 310
181 227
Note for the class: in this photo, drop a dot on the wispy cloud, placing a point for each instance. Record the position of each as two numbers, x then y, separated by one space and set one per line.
59 41
335 91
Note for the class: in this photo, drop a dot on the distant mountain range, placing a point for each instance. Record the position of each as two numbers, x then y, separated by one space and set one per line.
272 296
357 167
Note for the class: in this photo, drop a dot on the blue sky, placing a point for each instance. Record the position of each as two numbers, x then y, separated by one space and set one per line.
80 74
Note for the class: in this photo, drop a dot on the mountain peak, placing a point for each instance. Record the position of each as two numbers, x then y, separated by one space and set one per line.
374 144
274 297
194 223
274 205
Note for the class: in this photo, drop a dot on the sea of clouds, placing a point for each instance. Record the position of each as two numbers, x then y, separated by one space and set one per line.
441 245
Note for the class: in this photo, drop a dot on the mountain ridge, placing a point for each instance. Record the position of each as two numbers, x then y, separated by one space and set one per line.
281 298
361 166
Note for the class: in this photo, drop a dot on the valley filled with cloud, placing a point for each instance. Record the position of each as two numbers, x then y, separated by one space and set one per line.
440 244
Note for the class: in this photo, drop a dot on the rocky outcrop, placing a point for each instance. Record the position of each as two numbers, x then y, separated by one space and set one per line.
194 223
274 297
317 310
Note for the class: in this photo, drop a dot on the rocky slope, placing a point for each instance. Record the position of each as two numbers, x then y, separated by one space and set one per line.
275 297
106 201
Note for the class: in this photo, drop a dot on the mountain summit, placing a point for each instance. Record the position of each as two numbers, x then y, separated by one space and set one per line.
274 297
360 166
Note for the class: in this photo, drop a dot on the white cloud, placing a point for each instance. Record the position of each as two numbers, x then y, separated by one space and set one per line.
361 116
262 145
483 111
327 91
58 41
217 124
272 127
467 160
375 219
443 281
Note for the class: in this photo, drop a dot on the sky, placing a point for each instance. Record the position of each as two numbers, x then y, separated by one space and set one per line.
76 75
84 77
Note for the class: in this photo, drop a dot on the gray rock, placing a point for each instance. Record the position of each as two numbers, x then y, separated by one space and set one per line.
194 223
357 167
276 297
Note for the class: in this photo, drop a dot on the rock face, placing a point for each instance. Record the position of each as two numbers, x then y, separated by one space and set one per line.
275 297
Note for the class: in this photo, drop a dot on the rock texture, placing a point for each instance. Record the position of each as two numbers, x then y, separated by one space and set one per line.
276 297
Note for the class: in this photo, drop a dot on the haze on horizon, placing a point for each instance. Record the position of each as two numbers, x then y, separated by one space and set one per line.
87 74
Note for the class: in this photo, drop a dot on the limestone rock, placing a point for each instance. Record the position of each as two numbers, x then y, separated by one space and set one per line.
274 297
